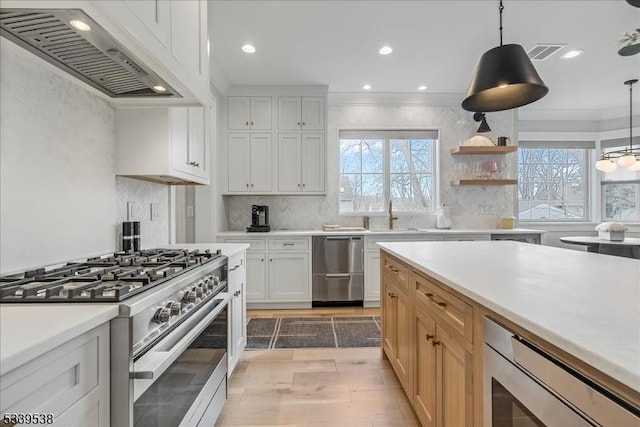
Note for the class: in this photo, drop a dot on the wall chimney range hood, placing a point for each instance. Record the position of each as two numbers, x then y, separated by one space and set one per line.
75 43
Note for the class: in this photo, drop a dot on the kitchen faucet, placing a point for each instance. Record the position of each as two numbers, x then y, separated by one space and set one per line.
391 217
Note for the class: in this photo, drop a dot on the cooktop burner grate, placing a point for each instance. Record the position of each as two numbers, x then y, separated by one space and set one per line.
110 278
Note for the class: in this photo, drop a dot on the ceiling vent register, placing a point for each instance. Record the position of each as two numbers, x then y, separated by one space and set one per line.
92 56
540 52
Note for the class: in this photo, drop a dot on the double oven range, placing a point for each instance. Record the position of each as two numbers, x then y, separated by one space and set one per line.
168 345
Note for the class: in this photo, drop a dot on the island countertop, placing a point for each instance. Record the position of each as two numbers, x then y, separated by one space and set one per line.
583 303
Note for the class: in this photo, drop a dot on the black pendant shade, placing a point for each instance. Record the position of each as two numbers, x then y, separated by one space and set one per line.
505 78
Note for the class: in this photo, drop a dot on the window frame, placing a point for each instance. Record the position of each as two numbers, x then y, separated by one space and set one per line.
588 144
386 169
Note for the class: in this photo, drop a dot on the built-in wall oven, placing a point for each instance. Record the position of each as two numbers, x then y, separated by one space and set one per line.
526 387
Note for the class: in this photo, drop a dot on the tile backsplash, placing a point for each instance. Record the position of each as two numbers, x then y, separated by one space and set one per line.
153 232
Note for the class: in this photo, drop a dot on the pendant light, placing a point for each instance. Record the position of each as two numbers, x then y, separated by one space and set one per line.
628 157
505 78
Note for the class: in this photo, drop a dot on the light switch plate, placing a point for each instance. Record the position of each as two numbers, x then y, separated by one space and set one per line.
133 211
155 211
189 211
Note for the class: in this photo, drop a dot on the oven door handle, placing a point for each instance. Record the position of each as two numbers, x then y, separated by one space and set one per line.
152 364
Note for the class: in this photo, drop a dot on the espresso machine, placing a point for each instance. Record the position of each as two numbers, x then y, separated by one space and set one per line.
259 219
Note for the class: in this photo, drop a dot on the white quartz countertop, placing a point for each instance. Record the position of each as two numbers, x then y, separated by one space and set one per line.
374 232
30 330
584 303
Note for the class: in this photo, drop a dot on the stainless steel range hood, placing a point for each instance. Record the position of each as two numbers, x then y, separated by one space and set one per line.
89 53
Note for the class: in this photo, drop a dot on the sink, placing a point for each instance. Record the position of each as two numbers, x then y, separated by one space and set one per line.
395 230
345 228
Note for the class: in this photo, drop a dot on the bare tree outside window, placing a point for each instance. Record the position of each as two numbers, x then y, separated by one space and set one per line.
552 184
374 170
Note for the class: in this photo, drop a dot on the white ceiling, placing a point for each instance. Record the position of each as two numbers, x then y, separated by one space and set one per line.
436 43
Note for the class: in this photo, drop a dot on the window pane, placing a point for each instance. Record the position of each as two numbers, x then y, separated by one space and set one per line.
411 192
551 184
372 156
621 202
372 197
350 156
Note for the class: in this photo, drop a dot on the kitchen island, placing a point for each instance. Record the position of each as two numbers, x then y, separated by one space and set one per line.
582 308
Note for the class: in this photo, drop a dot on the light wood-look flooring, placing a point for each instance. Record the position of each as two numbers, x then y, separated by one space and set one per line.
352 387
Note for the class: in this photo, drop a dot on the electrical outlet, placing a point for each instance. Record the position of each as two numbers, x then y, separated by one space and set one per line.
189 211
133 211
155 211
486 209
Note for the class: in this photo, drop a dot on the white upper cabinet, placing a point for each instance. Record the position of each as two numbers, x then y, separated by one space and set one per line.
155 15
189 37
301 162
166 145
301 113
249 112
250 162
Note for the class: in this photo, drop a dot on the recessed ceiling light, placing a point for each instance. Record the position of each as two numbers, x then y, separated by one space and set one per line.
366 87
573 53
160 88
385 50
248 48
423 87
80 25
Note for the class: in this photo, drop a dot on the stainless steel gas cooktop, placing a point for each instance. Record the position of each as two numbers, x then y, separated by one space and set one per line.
108 278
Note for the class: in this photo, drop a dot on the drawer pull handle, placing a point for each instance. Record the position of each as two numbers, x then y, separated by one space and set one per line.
392 295
287 244
430 337
441 304
395 270
438 303
435 343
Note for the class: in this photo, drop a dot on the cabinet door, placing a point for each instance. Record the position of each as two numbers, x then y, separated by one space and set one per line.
389 314
260 162
312 113
289 276
453 381
289 162
197 142
424 396
239 160
289 113
312 155
238 110
179 130
185 34
372 277
404 342
236 281
155 16
260 113
256 283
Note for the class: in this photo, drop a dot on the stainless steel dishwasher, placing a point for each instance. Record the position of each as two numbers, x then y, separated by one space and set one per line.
337 270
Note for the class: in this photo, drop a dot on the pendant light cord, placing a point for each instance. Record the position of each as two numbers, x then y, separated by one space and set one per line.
501 8
631 116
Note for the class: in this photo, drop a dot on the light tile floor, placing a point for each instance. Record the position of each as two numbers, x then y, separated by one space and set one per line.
350 387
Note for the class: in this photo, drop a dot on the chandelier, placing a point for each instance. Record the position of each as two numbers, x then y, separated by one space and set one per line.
628 157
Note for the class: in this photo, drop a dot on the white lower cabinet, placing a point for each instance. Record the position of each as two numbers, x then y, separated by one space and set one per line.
71 382
236 284
256 276
278 271
287 274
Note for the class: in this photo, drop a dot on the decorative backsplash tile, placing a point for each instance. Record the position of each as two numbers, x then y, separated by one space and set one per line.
152 232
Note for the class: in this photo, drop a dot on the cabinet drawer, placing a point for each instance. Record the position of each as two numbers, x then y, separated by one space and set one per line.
451 309
254 244
288 244
396 271
57 380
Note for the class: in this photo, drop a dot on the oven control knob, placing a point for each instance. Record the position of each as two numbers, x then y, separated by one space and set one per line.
199 292
162 315
189 297
174 307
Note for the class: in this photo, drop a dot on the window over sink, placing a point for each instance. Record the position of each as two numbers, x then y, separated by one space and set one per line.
381 165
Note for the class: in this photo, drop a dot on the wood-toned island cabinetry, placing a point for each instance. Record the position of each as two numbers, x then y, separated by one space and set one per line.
428 337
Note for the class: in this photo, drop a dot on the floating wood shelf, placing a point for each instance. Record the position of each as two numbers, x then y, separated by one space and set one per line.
484 182
470 149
